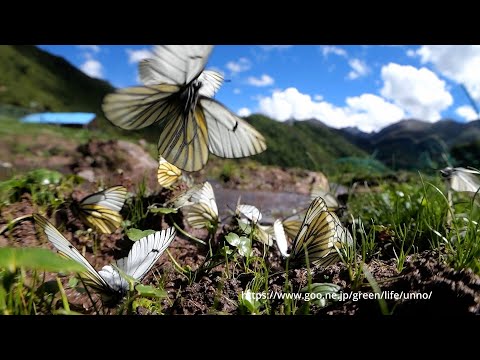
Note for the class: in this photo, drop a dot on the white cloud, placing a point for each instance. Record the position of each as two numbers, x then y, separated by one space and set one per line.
93 48
327 50
419 92
411 53
317 97
135 56
264 80
460 63
243 112
368 112
237 91
92 68
467 112
243 64
359 69
275 47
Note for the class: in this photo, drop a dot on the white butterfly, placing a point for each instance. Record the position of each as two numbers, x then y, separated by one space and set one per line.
330 199
280 238
108 281
249 222
461 179
177 96
204 211
250 212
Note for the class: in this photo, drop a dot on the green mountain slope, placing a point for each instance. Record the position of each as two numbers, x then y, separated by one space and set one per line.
307 144
32 78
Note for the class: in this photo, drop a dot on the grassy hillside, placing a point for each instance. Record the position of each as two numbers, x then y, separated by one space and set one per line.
32 78
304 144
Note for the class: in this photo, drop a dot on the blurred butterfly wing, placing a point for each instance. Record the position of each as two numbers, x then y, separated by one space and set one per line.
145 253
206 196
183 139
280 238
66 249
262 234
464 181
228 135
204 211
330 199
112 198
211 82
184 198
101 210
141 106
174 64
167 174
250 212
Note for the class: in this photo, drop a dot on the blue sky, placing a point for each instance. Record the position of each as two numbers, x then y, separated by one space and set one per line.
368 86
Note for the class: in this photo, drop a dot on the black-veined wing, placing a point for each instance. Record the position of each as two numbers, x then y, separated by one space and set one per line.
229 136
140 260
321 235
204 212
101 210
66 249
167 174
174 64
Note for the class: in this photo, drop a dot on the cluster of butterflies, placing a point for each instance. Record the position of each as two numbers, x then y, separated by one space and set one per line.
319 236
101 211
177 98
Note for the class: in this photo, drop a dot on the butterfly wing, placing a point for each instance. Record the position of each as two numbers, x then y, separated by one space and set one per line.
250 212
101 210
228 135
141 258
211 81
167 174
330 199
464 180
280 238
138 107
183 139
66 249
316 236
174 64
205 210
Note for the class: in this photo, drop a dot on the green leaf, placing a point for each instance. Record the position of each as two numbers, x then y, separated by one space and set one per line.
245 246
36 259
150 291
72 282
163 210
233 239
136 234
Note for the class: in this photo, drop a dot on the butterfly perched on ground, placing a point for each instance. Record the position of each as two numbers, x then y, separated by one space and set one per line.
101 211
320 237
204 211
108 281
461 179
248 217
168 174
177 97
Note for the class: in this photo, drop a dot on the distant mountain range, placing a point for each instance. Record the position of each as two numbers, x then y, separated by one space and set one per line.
34 79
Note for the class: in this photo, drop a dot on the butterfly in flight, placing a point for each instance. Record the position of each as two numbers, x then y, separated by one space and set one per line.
177 97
